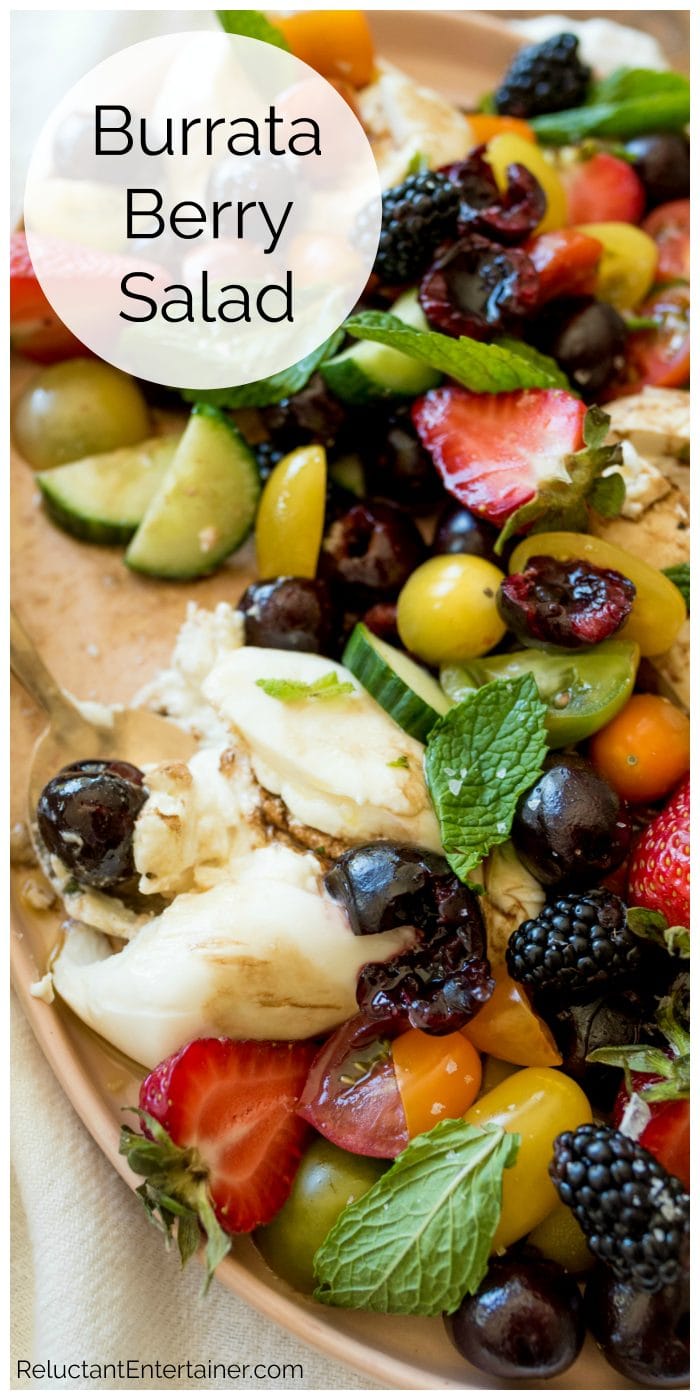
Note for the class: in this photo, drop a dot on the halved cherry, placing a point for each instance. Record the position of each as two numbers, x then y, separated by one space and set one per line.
566 262
659 357
669 226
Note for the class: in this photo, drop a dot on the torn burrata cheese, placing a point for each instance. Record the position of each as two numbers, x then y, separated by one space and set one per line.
232 931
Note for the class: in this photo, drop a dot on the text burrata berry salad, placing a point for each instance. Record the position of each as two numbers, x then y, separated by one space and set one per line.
403 949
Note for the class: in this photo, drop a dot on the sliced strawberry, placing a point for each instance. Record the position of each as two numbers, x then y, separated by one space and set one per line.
223 1132
603 189
35 328
566 262
667 1133
659 876
496 451
653 1103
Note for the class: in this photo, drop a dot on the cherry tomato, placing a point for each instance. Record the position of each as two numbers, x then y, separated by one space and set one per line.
658 357
352 1096
35 328
645 750
560 1237
604 188
484 125
669 226
628 264
538 1104
337 43
439 1076
508 1027
566 261
289 526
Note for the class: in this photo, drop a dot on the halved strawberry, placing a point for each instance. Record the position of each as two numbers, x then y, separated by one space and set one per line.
566 262
659 875
495 452
223 1137
603 189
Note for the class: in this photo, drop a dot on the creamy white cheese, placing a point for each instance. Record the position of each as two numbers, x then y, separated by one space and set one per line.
405 120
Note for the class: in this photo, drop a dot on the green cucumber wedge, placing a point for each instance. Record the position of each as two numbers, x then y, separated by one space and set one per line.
104 498
368 371
205 506
409 694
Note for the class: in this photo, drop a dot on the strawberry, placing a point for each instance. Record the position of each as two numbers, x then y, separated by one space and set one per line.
566 262
603 189
495 452
223 1139
667 1133
659 875
35 328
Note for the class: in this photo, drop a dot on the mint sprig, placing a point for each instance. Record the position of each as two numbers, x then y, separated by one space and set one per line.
252 24
261 392
628 103
485 369
563 504
481 756
327 687
420 1238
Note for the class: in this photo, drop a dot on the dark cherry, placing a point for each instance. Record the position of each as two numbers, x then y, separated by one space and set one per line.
292 614
626 1018
86 816
586 337
570 826
645 1336
370 551
478 288
441 982
506 216
457 531
525 1321
238 177
397 465
381 619
662 163
312 415
564 602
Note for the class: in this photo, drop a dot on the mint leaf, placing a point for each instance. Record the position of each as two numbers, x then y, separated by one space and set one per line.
485 369
543 363
480 757
420 1238
680 575
400 762
664 110
261 392
328 687
563 504
252 24
627 83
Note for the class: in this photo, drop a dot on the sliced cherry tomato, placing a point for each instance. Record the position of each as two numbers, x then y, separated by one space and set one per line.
508 1027
484 125
661 357
645 750
603 188
351 1095
669 226
566 262
337 43
35 328
439 1076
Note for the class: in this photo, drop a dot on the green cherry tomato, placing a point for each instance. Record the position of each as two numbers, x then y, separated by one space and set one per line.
327 1181
76 408
583 690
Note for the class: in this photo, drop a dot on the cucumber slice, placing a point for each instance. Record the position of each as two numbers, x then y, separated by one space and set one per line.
408 693
206 504
104 498
367 371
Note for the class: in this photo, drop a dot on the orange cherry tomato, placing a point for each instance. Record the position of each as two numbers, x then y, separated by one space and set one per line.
508 1027
439 1076
484 125
645 750
337 43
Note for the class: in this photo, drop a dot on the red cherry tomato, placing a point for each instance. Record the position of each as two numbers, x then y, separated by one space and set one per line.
35 328
658 357
352 1096
603 189
566 261
669 226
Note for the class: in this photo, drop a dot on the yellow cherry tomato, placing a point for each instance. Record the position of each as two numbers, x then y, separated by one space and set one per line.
539 1104
645 750
510 148
289 526
337 43
485 125
658 611
507 1026
439 1076
628 263
560 1237
447 609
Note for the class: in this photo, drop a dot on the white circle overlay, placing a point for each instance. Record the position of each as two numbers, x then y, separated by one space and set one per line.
257 179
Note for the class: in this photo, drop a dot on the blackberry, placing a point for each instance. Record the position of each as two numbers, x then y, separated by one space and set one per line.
546 77
267 455
416 217
634 1214
578 943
